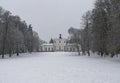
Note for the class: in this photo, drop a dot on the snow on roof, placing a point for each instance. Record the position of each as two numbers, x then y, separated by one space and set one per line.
48 44
59 39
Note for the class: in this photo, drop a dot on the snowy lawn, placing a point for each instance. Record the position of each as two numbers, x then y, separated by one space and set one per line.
59 67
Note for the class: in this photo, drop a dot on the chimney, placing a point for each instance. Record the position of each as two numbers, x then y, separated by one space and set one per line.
60 36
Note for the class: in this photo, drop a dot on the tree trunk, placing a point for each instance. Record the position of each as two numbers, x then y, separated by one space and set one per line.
2 56
101 53
78 52
10 53
17 54
112 55
3 47
88 53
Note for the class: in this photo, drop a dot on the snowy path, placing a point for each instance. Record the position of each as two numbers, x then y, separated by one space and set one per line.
58 68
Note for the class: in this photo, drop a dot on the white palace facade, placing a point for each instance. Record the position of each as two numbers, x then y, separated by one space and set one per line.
59 44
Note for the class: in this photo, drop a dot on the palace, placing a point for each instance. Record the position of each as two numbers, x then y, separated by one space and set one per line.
59 44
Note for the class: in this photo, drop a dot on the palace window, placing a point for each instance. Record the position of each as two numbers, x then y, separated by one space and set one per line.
59 47
73 49
52 49
70 49
49 49
67 49
45 49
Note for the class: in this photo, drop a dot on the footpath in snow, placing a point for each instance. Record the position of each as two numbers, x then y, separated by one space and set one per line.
59 67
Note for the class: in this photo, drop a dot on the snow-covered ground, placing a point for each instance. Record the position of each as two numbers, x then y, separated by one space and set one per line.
59 67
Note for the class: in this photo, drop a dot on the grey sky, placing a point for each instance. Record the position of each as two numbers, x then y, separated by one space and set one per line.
49 17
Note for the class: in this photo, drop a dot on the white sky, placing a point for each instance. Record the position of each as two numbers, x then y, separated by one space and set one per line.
49 17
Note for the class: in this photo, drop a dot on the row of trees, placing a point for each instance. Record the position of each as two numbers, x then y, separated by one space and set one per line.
15 35
101 29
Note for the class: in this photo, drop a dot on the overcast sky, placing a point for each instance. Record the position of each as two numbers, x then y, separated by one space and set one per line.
49 17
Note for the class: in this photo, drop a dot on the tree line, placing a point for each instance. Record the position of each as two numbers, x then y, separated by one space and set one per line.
16 36
100 31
